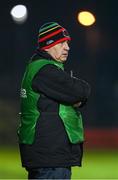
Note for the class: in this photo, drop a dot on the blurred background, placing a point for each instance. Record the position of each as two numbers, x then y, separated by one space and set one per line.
93 57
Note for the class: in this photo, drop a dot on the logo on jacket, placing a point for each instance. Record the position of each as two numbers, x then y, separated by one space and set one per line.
23 93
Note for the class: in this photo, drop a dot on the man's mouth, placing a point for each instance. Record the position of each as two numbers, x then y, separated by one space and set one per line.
65 54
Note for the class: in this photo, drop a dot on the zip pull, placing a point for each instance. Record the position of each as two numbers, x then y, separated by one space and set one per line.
71 73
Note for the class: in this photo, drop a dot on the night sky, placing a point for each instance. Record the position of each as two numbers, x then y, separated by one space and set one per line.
93 55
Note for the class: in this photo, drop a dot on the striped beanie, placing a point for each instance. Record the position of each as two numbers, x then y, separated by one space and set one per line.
51 34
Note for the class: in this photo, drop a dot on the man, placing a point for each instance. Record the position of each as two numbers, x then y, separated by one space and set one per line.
51 130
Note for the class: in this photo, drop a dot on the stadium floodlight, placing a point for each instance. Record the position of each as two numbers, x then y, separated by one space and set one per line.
86 18
19 13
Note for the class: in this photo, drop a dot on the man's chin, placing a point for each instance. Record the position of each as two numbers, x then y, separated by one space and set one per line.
63 59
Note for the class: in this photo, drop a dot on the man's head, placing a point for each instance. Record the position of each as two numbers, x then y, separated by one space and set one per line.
53 39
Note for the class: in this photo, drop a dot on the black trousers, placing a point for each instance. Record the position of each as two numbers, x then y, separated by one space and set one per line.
49 173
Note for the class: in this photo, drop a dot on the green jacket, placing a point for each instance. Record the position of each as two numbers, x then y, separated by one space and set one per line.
71 118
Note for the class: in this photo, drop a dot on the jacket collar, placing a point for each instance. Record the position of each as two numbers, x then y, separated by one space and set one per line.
40 54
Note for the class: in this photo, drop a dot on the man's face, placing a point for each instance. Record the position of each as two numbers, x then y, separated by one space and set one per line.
60 51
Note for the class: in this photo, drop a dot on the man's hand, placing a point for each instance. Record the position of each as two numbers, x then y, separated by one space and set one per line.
80 104
77 104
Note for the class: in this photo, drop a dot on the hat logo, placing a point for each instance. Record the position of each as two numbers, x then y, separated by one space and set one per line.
65 33
49 42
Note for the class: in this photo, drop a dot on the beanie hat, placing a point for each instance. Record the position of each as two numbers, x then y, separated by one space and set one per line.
51 34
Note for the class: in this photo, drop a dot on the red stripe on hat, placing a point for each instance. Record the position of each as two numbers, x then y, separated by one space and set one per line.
50 35
56 42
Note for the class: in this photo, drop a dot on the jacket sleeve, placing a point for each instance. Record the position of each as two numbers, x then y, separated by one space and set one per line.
58 85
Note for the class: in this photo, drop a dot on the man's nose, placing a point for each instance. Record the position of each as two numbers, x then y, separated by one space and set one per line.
66 46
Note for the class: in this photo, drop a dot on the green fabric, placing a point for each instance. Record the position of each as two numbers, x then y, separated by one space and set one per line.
72 120
29 113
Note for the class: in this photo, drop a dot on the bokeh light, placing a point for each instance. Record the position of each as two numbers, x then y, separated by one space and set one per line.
19 13
86 18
